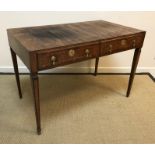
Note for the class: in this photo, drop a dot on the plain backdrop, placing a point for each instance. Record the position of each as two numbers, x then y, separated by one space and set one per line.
120 62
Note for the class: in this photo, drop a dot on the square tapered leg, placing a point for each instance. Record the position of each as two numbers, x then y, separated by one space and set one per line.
133 70
15 65
96 65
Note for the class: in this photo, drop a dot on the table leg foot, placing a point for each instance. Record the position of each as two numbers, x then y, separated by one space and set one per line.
127 94
39 131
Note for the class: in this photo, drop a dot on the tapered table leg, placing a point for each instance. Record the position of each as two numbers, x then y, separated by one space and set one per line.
96 65
15 65
133 69
35 89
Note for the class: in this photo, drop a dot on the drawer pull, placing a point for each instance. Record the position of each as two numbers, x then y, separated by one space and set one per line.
71 53
123 42
53 59
110 48
134 43
87 52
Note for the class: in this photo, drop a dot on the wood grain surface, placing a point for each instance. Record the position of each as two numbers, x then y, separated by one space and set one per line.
55 36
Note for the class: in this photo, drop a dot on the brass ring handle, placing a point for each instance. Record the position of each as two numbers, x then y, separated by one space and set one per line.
134 43
123 42
53 59
110 48
87 52
71 52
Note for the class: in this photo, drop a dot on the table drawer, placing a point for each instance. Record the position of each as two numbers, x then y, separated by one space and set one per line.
53 59
123 44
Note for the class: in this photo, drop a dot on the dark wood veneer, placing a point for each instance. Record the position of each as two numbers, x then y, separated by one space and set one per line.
50 46
63 58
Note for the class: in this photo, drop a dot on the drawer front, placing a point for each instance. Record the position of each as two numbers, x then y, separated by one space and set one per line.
53 59
123 44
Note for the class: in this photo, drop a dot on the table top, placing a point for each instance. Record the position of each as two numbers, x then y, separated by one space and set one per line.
53 36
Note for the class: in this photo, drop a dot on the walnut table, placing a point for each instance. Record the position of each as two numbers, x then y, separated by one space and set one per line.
45 47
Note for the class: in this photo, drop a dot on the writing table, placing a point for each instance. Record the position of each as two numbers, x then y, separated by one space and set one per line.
45 47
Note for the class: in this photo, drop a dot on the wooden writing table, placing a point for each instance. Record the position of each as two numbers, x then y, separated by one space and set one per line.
46 47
